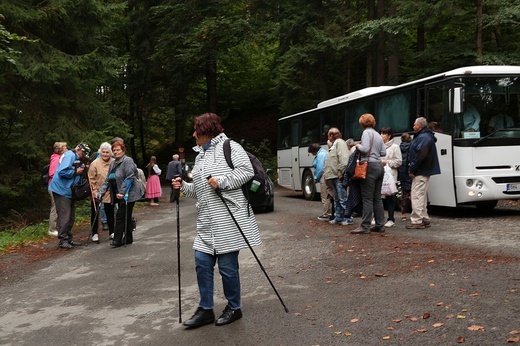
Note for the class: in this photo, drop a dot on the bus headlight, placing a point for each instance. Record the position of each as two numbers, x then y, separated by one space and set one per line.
469 182
479 184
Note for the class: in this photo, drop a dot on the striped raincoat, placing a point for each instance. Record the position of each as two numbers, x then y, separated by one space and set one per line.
216 230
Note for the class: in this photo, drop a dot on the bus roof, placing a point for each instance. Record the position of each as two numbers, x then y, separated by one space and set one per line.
462 71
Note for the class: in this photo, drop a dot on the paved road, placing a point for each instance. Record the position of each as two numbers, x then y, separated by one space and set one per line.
427 287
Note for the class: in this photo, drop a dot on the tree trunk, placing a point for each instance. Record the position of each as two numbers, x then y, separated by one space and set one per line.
393 58
211 83
381 47
480 48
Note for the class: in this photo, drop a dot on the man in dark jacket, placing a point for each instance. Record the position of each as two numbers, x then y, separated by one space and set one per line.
423 164
173 171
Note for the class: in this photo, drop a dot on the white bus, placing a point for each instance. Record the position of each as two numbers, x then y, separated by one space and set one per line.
479 159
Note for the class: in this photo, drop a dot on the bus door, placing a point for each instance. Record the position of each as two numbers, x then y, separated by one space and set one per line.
438 112
296 128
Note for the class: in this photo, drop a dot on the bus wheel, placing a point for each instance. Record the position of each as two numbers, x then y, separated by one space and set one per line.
308 186
486 206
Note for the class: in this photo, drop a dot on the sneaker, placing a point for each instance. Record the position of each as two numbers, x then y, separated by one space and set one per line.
347 221
389 224
324 217
111 235
53 233
404 218
377 230
415 226
360 230
426 224
74 243
65 246
95 237
105 226
373 222
332 222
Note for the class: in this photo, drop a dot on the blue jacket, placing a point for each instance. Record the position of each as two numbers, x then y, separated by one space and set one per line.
423 154
65 175
319 163
402 171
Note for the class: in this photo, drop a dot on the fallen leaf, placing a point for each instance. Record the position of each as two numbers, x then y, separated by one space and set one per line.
460 339
450 316
348 333
432 285
354 320
397 320
381 275
440 304
297 314
413 319
461 317
386 337
514 339
489 260
390 328
475 327
474 294
362 277
431 261
426 315
338 333
464 310
422 330
514 332
438 324
331 326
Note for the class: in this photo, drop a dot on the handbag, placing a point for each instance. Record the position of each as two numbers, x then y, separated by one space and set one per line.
81 191
362 166
388 188
361 169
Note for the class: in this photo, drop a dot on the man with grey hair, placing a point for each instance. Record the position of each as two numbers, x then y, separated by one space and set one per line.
424 162
173 171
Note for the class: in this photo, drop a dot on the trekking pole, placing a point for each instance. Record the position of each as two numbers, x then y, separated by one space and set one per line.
97 209
176 198
125 198
219 193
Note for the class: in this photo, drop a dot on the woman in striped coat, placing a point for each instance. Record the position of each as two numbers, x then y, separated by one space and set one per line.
218 238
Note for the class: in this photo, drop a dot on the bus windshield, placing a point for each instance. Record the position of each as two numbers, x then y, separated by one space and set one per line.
491 108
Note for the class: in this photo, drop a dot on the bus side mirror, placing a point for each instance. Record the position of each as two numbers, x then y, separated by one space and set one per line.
458 100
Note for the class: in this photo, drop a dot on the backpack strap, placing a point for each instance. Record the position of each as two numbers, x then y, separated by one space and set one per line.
227 152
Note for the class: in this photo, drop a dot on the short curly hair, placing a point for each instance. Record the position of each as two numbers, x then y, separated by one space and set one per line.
367 120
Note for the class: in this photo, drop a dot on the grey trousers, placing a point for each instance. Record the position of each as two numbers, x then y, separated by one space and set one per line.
66 217
371 196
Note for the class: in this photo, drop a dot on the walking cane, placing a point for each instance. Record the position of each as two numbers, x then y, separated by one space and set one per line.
176 198
219 193
93 201
125 198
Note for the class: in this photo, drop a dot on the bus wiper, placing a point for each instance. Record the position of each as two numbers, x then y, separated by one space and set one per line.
480 140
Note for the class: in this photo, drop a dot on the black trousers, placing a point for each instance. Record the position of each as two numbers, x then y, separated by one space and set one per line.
124 212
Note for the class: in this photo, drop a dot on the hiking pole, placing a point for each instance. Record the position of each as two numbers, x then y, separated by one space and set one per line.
176 198
219 193
125 198
97 209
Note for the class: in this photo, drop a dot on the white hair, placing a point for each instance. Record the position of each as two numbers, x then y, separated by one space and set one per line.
105 145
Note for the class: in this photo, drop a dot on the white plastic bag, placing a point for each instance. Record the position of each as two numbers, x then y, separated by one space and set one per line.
388 188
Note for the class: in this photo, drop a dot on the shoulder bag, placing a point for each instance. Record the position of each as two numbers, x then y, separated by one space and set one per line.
361 166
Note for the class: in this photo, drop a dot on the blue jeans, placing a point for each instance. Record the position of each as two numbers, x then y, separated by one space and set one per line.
340 200
228 269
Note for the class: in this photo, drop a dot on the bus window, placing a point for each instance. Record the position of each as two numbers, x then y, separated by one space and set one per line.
353 112
310 129
394 111
284 134
331 118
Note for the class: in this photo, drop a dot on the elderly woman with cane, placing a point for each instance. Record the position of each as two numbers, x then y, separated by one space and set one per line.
124 190
218 239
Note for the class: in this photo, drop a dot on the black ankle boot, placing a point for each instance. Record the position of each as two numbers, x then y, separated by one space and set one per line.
200 318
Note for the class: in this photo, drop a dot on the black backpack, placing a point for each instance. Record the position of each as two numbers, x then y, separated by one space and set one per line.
44 175
257 189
